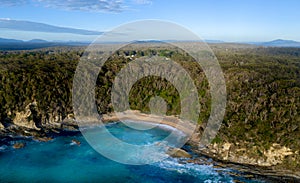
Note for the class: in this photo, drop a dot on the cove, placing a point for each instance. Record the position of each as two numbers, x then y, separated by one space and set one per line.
61 160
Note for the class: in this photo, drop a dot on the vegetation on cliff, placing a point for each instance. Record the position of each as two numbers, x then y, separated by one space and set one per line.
263 91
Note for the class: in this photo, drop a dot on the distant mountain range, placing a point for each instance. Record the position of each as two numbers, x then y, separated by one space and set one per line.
280 43
21 25
274 43
38 41
3 40
14 44
15 41
27 26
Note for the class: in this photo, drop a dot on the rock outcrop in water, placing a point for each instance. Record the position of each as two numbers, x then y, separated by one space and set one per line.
77 142
18 145
178 153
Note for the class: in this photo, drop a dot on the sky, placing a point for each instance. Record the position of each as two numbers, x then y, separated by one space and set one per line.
227 20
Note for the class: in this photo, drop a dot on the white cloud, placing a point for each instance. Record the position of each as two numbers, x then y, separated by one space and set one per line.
5 19
80 5
85 5
13 2
142 2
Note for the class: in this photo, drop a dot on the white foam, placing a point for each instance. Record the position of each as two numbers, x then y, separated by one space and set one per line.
3 148
172 164
161 126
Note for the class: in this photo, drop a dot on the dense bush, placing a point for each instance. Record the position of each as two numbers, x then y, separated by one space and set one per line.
263 88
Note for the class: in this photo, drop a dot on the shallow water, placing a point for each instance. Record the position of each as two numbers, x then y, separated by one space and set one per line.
60 160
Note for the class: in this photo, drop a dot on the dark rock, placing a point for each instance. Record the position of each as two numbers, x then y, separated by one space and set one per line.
77 142
18 145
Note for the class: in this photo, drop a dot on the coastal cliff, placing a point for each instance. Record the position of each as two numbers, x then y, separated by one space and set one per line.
261 124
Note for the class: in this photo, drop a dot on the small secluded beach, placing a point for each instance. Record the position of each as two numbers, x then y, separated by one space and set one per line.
200 164
134 115
70 158
189 129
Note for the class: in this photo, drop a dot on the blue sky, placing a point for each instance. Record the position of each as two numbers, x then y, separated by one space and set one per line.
230 20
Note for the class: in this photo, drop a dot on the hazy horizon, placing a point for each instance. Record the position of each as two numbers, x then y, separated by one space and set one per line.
230 21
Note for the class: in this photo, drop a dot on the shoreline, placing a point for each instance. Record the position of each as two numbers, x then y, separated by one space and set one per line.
188 129
134 115
175 122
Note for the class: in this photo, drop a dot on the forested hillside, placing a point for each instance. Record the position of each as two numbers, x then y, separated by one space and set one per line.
263 91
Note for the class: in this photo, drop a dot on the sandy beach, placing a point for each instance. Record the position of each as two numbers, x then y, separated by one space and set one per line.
185 126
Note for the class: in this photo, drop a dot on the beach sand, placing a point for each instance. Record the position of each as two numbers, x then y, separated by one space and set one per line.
133 115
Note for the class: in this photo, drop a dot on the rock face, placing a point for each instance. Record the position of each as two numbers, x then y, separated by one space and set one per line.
32 121
178 153
276 154
25 118
229 152
1 126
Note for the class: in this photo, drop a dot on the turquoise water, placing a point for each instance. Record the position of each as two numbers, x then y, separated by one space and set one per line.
60 160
